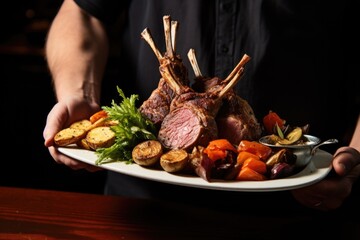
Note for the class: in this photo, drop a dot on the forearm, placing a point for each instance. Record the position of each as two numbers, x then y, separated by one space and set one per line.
355 141
76 52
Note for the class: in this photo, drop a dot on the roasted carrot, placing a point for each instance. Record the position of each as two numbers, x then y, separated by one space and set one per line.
96 116
243 156
248 174
217 149
256 165
256 148
223 144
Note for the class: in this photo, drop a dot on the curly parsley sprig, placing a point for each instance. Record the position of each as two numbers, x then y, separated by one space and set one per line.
131 129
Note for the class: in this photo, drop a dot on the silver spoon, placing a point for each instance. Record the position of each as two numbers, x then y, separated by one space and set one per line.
329 141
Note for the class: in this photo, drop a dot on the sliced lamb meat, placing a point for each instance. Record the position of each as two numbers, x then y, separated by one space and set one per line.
236 120
156 107
191 120
186 127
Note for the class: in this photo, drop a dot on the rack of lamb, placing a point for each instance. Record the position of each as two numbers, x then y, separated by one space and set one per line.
156 107
235 115
189 116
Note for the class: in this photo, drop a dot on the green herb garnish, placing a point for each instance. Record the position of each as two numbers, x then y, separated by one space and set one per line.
132 128
279 132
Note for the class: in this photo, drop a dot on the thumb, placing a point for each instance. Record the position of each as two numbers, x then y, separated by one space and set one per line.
345 159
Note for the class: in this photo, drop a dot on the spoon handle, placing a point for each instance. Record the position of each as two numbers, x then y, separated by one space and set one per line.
329 141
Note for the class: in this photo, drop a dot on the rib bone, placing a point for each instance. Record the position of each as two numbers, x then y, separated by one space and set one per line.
232 82
174 28
167 31
241 64
146 34
165 72
194 63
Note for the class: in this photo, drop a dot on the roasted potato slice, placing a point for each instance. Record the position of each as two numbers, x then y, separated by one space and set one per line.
83 144
100 137
111 122
69 136
174 160
147 153
83 124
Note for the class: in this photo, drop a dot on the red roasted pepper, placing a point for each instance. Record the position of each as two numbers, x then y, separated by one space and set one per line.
270 121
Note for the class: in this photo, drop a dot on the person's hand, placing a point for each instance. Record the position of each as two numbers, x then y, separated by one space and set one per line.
62 115
330 193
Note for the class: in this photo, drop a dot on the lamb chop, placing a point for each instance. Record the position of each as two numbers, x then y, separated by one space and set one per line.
235 120
191 120
157 106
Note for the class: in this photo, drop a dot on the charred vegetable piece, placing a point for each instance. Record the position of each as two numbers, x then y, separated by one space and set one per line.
283 155
174 160
233 172
305 128
200 163
281 170
292 137
221 168
279 156
203 170
147 153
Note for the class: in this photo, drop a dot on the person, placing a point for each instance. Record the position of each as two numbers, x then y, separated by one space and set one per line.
301 67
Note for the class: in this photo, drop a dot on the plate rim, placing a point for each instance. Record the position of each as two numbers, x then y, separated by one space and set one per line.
316 170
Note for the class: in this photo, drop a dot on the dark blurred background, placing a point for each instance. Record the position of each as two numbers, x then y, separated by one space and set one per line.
26 99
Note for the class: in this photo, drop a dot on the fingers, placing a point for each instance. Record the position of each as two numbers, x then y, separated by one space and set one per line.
63 113
311 199
326 195
345 159
331 192
54 122
70 162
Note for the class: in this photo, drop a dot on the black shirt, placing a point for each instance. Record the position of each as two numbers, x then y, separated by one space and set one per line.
304 54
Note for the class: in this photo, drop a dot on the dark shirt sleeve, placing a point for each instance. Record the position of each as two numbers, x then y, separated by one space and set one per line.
104 10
